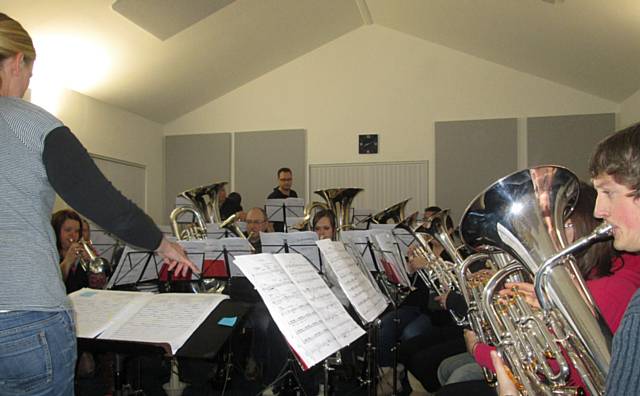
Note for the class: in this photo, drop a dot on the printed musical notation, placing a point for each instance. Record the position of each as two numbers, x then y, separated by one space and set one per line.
368 302
303 307
129 316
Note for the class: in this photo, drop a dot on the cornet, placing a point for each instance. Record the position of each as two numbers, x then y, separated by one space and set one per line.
95 265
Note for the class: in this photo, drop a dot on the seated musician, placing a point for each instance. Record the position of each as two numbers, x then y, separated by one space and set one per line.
611 278
67 225
232 205
257 222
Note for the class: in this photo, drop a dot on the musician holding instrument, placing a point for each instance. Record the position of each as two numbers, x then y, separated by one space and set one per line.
611 279
257 222
67 226
615 172
39 156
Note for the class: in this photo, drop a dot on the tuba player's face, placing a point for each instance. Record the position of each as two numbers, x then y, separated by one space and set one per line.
618 206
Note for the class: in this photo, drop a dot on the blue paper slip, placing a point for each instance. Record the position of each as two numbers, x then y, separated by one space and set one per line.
228 321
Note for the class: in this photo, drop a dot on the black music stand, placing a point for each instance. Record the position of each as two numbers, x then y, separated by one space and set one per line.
279 209
204 343
287 243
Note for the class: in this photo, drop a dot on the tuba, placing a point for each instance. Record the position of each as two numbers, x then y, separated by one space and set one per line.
339 200
188 231
523 215
308 214
205 200
206 209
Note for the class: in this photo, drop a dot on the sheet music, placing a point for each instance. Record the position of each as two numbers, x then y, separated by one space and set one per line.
165 318
307 313
360 239
390 258
95 311
365 298
315 290
303 242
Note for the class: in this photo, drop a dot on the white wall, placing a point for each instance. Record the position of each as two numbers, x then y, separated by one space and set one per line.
378 80
630 110
115 133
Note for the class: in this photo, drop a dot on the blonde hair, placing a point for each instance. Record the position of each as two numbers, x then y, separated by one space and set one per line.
14 39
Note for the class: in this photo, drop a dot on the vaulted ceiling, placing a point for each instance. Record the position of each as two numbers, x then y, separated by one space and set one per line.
590 45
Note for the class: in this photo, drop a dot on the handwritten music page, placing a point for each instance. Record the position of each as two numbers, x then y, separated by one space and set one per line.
96 310
168 318
365 298
310 317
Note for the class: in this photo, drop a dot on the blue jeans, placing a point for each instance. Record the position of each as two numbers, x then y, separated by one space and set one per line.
37 353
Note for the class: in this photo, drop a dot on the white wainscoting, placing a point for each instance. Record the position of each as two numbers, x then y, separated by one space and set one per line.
384 183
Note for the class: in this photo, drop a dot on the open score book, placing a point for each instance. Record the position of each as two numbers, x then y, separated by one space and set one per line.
166 319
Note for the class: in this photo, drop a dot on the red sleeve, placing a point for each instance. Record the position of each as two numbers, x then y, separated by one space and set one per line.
482 354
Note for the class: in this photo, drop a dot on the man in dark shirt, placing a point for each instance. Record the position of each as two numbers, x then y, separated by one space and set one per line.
285 180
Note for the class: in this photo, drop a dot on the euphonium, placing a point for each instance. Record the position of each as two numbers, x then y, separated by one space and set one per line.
438 274
437 225
523 214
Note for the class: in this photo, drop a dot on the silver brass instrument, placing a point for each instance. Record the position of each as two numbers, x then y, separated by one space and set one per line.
523 214
439 275
205 200
96 264
436 226
206 209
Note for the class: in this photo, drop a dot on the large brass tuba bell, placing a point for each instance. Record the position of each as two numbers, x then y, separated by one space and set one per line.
339 201
523 214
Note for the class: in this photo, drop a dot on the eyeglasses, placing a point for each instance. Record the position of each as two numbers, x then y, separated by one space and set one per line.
255 221
289 179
